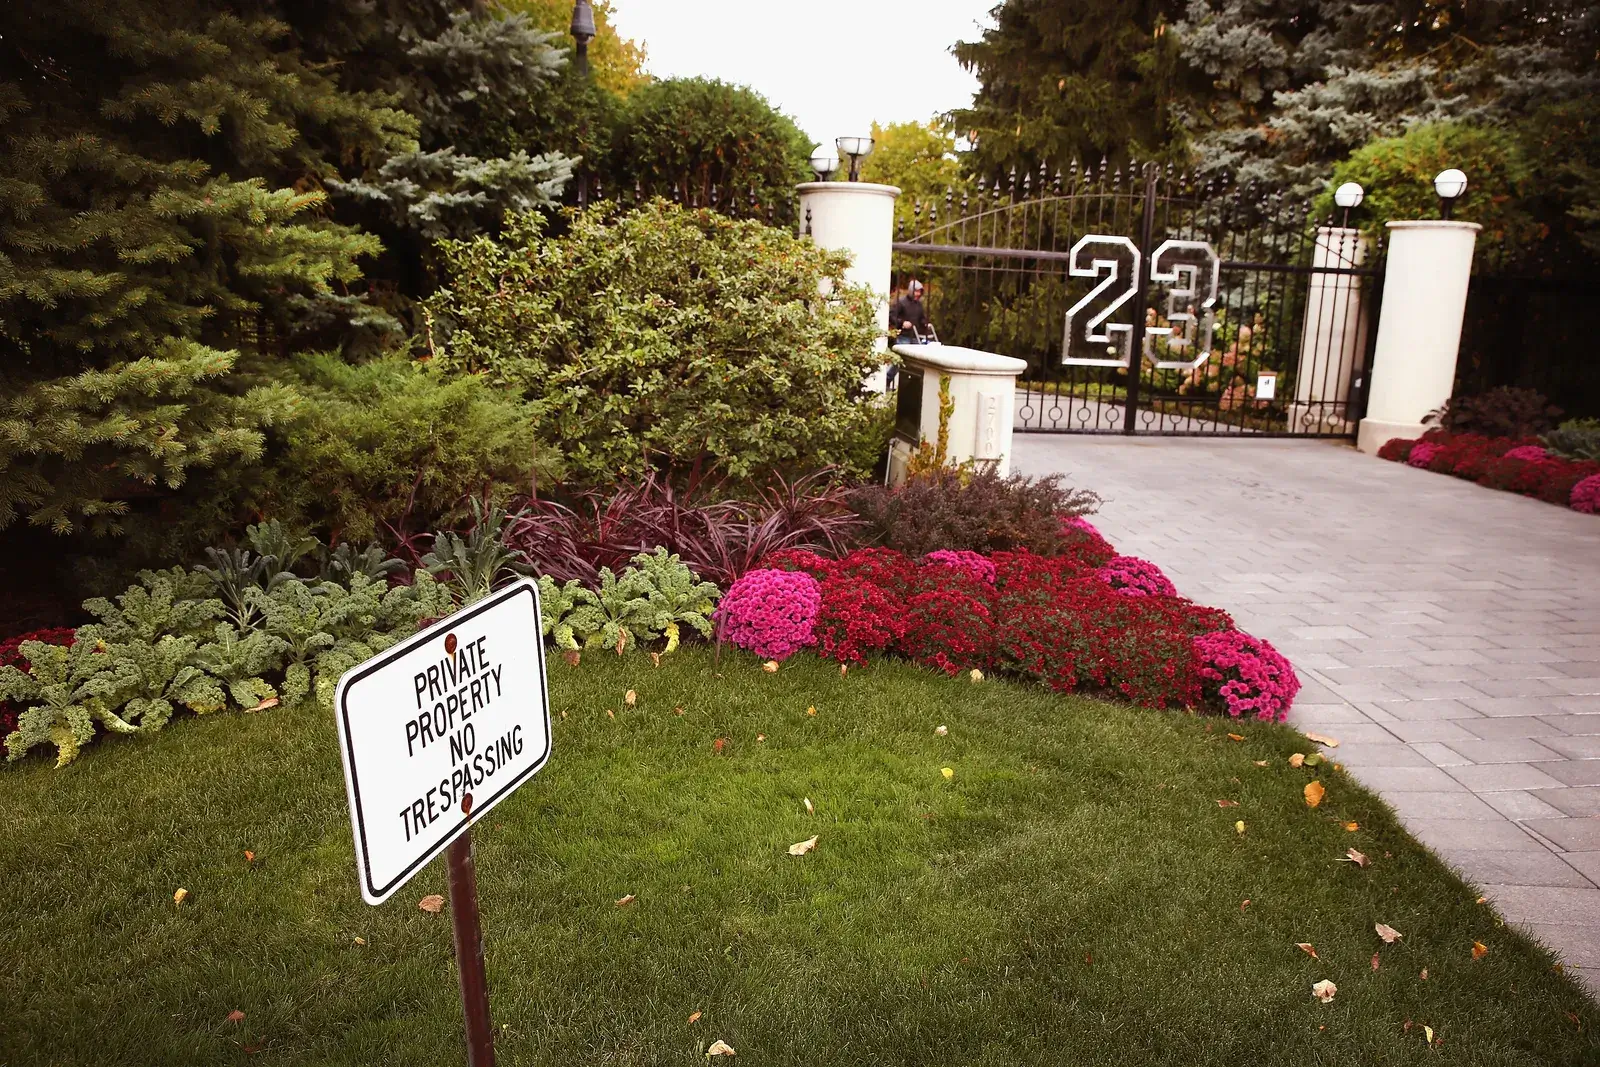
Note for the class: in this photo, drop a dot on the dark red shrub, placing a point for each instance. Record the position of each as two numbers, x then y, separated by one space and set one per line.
1515 475
977 510
1561 475
948 622
893 572
857 618
1397 449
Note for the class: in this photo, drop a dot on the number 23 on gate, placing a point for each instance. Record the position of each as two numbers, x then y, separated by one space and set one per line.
439 729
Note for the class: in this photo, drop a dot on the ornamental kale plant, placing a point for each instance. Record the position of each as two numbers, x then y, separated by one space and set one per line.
653 599
1575 439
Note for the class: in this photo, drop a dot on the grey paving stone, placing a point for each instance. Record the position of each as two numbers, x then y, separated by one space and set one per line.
1520 804
1424 710
1510 727
1441 730
1517 684
1578 686
1504 776
1572 835
1510 706
1397 780
1575 772
1381 754
1578 946
1494 834
1573 725
1327 633
1348 733
1581 800
1547 904
1485 866
1584 747
1455 804
1587 863
1440 754
1505 750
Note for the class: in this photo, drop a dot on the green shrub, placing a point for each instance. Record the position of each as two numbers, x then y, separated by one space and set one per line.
1575 439
693 135
652 600
665 337
1397 174
975 510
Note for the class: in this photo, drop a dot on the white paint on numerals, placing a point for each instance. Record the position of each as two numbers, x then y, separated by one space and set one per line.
1096 330
1189 269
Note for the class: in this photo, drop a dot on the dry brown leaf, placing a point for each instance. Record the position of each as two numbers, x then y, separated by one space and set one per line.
771 666
844 669
1427 1032
1314 792
180 895
1243 904
694 1017
623 902
1227 803
677 711
249 857
361 941
761 737
810 810
563 714
811 710
1236 737
433 903
1259 762
1352 827
630 698
655 659
1479 950
269 702
1324 990
976 675
1305 946
800 848
1374 961
941 731
1323 739
1481 900
1389 934
720 1047
622 642
719 744
1357 858
610 714
1297 759
236 1016
1238 827
572 656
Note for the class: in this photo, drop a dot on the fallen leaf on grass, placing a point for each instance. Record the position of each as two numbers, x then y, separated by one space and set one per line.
771 666
976 675
941 731
269 702
1238 827
1323 739
179 896
1351 827
1324 990
1389 934
719 744
623 902
1314 792
630 698
572 656
433 903
675 711
1481 900
948 772
1374 961
655 659
844 669
1243 904
800 848
1357 858
249 857
1305 946
694 1017
1427 1031
361 941
1259 762
563 714
1297 759
1236 737
1424 974
720 1047
809 809
236 1016
811 710
1227 803
1479 950
610 714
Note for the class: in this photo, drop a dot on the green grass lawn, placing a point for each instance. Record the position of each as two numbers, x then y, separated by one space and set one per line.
1072 895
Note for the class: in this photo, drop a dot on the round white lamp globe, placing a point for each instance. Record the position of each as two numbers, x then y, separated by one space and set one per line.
1349 195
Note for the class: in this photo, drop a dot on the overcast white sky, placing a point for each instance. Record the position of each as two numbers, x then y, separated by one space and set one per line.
834 65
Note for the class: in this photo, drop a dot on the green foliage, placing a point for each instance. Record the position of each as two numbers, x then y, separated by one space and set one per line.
616 63
477 563
67 692
920 159
240 662
1575 439
344 563
1397 174
170 602
693 135
665 337
653 599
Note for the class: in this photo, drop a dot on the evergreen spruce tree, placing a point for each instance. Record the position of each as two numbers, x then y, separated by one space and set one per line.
159 173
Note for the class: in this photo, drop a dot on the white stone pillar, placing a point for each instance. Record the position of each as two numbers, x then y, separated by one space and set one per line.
857 217
983 391
1419 328
1335 334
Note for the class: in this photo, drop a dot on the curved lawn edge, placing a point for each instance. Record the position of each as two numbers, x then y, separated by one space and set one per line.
1072 893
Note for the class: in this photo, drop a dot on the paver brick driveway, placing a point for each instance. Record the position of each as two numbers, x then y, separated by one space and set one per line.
1447 634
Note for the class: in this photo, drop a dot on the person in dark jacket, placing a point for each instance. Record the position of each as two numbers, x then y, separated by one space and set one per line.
908 316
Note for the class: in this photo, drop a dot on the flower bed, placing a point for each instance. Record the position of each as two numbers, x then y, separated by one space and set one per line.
1073 622
1518 465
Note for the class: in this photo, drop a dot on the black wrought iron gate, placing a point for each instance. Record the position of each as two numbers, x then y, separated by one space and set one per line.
1262 322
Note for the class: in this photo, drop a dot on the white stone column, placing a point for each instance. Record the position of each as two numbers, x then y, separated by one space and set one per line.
857 217
983 391
1419 328
1335 334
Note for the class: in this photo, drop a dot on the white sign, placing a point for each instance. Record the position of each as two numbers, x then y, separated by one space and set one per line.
1266 386
439 729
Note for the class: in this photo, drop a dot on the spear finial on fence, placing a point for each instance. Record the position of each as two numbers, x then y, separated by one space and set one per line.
1057 185
1013 182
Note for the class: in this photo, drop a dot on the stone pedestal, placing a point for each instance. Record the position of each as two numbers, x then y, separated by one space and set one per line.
1419 328
857 217
982 387
1335 335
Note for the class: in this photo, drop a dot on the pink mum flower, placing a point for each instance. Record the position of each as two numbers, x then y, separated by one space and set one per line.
1586 495
1422 453
1133 576
1531 453
976 564
1247 674
772 613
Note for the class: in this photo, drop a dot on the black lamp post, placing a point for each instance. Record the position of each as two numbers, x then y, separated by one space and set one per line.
583 31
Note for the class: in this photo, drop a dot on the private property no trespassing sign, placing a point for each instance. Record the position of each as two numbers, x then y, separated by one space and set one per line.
439 729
